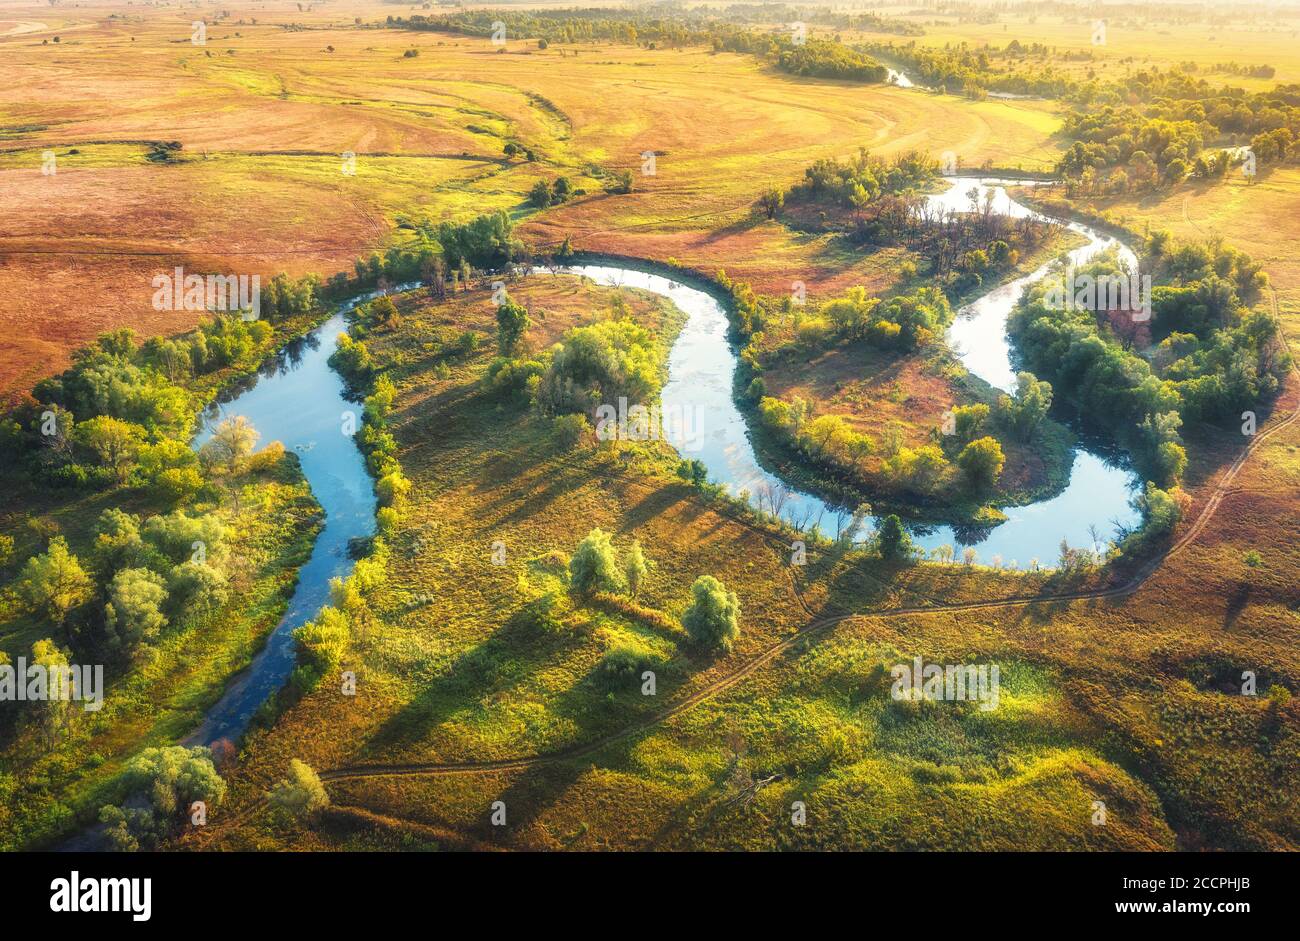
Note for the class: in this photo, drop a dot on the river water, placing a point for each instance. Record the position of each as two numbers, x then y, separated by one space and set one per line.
298 400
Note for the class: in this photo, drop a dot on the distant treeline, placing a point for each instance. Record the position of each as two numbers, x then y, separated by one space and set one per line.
975 71
1151 128
1260 13
822 58
1155 124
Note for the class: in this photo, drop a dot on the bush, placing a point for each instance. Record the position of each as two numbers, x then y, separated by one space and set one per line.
981 461
267 459
594 566
171 779
392 488
621 667
321 645
713 618
571 430
301 794
387 520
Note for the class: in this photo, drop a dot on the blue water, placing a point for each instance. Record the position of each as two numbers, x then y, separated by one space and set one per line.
298 400
702 365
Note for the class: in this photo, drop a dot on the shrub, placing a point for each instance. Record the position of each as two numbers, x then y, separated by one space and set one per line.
321 644
387 520
621 667
712 620
693 470
392 488
267 459
301 794
981 461
969 419
571 430
541 615
171 780
594 567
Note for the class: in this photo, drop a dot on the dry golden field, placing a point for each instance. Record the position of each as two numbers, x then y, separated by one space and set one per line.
264 115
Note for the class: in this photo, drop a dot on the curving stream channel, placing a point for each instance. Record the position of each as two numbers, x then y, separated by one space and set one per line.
298 400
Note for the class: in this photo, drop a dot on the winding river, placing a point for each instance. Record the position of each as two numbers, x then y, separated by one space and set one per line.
298 400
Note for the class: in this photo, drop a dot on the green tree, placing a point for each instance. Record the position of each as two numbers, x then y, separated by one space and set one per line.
594 566
231 443
771 201
694 470
892 539
512 323
383 312
171 779
115 442
635 568
301 794
981 461
571 430
54 583
117 541
712 620
195 590
134 612
53 713
540 195
1030 405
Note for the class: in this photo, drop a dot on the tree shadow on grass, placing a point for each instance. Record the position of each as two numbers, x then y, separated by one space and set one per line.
512 652
653 504
586 708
